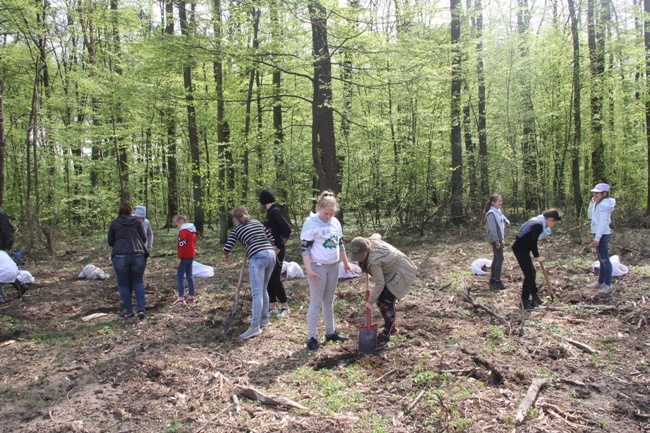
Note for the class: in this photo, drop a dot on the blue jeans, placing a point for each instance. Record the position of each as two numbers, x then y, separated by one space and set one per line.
260 267
605 273
129 272
185 270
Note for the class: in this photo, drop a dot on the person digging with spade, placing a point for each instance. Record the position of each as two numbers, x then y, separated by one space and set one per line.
525 243
392 272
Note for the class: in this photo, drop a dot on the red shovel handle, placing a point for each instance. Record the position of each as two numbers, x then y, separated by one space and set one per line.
368 312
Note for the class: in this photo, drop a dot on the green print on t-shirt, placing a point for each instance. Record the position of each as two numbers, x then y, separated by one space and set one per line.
331 243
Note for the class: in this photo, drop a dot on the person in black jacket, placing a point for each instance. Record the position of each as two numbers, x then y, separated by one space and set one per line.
127 237
6 232
276 224
526 242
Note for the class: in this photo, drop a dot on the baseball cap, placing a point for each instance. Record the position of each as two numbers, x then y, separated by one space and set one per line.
601 187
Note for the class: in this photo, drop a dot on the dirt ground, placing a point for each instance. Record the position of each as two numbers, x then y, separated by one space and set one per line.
452 367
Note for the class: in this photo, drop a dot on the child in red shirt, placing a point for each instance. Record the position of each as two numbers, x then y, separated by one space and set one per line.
185 251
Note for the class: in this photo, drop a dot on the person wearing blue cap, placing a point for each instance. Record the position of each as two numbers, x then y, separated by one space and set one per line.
600 211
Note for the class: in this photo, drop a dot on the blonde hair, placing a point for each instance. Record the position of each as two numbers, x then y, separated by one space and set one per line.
179 219
241 215
327 201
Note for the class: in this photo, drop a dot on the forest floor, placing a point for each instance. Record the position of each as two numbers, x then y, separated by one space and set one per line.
451 367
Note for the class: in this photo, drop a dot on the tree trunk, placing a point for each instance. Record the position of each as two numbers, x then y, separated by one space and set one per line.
2 142
457 216
255 15
323 139
484 181
170 121
575 148
596 42
197 189
646 42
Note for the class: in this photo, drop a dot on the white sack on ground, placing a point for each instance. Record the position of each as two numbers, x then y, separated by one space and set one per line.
25 277
478 264
92 272
344 275
291 270
200 270
8 268
618 270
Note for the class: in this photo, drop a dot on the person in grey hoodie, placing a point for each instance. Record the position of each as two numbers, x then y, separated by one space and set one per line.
127 237
600 213
495 233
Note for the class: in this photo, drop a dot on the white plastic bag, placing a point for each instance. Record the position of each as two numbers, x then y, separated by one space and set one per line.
200 270
92 272
478 264
618 270
25 277
8 268
291 270
344 275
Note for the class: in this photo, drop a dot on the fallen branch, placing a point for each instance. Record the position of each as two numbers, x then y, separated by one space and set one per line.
468 298
254 394
529 400
580 346
415 402
566 416
579 383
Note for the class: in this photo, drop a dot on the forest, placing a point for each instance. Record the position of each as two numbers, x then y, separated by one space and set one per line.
412 112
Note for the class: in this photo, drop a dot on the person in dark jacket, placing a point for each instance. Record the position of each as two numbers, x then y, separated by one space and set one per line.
6 232
127 237
525 243
276 224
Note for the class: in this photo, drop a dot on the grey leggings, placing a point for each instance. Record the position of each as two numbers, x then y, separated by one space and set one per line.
497 262
321 294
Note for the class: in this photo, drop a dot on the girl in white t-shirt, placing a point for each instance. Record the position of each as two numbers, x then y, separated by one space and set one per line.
322 249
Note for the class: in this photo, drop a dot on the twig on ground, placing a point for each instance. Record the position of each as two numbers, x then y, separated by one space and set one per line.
529 400
581 346
465 296
415 402
566 416
384 375
235 400
254 394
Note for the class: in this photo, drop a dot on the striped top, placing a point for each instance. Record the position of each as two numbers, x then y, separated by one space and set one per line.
252 236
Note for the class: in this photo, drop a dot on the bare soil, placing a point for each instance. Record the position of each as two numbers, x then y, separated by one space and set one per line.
452 367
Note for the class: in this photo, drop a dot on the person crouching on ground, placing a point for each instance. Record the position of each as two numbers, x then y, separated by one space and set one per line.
321 240
392 272
261 261
185 250
601 207
526 242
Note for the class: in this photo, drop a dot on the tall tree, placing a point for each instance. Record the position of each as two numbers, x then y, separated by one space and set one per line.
484 182
596 42
457 216
646 42
192 129
577 124
323 139
169 120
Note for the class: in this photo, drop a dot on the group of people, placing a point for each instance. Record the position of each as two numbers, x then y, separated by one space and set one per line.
322 249
601 207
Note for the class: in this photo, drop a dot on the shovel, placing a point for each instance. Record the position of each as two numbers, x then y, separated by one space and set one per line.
233 313
548 282
368 333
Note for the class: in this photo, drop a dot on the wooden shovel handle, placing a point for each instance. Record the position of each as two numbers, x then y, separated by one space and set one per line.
547 280
368 312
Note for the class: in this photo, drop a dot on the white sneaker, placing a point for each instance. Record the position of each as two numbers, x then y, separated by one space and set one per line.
265 322
606 290
284 312
251 332
273 312
595 285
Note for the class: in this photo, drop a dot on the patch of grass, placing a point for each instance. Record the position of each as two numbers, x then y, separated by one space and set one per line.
373 423
333 393
496 334
461 423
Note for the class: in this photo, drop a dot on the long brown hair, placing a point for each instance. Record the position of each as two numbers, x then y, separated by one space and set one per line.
241 214
488 204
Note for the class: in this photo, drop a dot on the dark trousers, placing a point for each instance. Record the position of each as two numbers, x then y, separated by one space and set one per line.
386 304
497 262
275 286
529 288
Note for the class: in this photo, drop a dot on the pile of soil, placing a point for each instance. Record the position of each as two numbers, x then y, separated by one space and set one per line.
463 360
